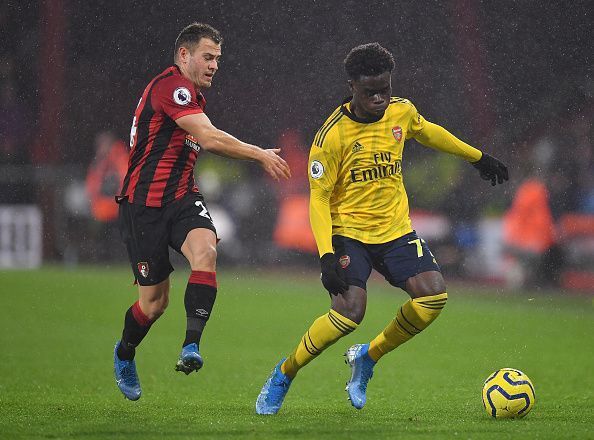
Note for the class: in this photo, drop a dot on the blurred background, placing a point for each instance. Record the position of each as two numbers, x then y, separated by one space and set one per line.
513 78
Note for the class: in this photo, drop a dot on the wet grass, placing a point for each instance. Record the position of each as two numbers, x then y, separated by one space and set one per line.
58 327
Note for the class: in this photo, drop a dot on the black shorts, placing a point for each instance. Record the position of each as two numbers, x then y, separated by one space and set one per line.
148 232
396 260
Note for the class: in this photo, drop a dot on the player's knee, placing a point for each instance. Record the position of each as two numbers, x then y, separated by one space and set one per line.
430 292
355 314
351 304
353 310
204 259
425 284
154 301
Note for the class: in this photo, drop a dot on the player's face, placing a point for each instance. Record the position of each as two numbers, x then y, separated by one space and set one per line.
203 63
371 94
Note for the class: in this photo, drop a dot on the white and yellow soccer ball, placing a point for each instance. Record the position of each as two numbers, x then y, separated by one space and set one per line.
508 394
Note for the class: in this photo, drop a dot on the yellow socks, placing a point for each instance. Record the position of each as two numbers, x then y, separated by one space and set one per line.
324 332
412 318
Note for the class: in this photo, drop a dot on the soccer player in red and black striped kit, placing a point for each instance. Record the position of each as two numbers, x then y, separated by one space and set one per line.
160 205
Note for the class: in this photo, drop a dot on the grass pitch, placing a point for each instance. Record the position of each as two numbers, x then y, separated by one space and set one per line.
58 328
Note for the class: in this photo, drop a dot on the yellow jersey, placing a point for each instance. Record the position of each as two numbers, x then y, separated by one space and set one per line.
355 172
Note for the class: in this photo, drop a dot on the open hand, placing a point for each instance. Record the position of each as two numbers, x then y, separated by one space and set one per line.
274 165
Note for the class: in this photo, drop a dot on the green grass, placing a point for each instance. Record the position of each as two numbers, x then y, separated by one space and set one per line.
57 330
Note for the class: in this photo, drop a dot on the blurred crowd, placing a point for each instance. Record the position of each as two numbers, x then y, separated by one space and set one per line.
549 226
543 133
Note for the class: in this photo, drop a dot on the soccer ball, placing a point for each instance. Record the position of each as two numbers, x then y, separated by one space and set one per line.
508 394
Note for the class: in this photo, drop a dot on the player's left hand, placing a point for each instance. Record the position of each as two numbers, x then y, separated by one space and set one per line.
275 165
491 169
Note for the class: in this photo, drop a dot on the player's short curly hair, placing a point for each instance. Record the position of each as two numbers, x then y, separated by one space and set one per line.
369 59
191 35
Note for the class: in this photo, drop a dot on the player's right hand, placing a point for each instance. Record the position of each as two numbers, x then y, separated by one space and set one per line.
333 276
274 165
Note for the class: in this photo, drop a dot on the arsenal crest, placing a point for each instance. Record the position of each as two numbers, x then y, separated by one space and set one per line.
397 132
143 268
344 261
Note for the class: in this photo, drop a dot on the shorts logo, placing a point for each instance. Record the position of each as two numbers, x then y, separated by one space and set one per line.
143 268
316 169
182 96
397 132
344 261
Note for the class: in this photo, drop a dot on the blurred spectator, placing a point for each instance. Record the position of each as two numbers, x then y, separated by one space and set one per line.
529 236
105 176
292 230
104 179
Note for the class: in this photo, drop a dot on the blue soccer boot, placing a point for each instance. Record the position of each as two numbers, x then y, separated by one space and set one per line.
189 359
273 392
126 376
361 371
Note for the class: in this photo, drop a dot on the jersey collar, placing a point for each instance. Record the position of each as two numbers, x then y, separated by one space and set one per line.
345 111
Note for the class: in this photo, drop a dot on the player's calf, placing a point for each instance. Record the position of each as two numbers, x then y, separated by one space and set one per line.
199 300
136 326
324 332
412 318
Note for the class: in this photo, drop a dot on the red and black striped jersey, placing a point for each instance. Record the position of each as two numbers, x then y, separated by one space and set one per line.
162 155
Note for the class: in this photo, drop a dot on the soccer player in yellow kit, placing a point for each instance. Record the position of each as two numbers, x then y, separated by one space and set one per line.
360 219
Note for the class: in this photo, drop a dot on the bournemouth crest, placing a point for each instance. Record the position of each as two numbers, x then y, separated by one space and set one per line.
143 268
397 132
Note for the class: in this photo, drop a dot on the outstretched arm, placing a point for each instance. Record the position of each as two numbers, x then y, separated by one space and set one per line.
437 137
223 144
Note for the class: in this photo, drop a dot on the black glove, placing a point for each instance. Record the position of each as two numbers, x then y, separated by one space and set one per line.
491 169
333 277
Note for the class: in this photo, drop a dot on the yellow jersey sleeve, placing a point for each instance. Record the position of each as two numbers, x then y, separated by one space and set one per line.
436 137
416 122
324 162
